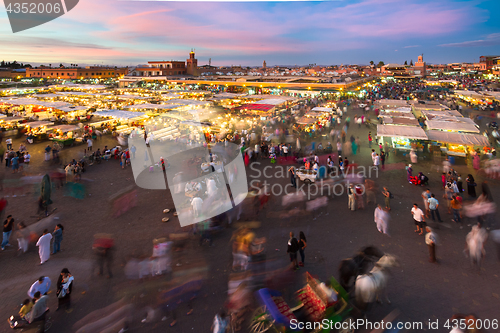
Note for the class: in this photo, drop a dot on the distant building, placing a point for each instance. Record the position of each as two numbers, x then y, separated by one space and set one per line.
394 70
488 62
420 68
168 68
8 73
74 73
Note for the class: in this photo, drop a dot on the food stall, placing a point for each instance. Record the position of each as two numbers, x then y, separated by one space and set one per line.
65 135
458 144
37 130
123 120
9 125
401 137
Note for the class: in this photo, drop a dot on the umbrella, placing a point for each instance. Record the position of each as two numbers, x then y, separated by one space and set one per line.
45 192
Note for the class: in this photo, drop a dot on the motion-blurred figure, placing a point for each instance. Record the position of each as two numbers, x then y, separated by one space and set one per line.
475 240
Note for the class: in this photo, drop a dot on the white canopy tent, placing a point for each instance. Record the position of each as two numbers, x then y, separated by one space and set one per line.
410 132
456 126
271 101
153 106
119 114
36 124
458 138
65 128
73 108
322 109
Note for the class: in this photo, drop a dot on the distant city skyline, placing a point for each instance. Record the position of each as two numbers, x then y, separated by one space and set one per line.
295 33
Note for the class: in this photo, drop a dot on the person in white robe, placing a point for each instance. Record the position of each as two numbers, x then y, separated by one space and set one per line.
197 204
475 244
42 285
211 187
44 246
381 218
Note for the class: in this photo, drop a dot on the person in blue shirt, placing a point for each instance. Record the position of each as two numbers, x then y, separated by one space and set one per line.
58 237
433 207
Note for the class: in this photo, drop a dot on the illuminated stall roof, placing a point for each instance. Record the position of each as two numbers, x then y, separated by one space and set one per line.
452 125
458 138
410 132
120 114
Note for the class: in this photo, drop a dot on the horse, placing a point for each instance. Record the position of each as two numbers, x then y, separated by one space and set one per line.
369 287
361 263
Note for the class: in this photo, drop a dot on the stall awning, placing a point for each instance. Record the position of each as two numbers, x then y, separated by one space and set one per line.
400 121
410 132
65 128
322 109
120 114
452 126
458 138
73 108
11 119
256 107
154 106
306 121
36 124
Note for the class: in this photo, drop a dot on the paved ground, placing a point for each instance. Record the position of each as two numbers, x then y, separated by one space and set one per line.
421 290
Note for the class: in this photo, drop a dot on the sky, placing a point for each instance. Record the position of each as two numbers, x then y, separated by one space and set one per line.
109 32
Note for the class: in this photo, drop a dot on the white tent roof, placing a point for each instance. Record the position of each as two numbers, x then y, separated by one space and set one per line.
36 124
442 113
46 95
33 101
322 109
186 102
73 108
271 101
65 128
153 106
447 125
132 97
458 138
119 114
410 132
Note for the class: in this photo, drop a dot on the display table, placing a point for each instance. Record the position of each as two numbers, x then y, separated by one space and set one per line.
64 142
456 153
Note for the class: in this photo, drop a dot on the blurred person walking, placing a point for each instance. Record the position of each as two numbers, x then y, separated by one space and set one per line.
474 244
431 240
381 218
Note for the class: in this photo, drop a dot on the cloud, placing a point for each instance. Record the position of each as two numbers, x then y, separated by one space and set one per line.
490 40
303 31
410 46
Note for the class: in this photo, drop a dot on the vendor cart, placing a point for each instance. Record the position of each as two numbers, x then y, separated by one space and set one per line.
313 307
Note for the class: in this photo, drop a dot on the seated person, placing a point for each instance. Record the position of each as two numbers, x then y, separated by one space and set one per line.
37 312
320 146
26 308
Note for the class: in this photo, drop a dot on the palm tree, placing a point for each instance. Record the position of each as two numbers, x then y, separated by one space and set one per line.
380 64
372 63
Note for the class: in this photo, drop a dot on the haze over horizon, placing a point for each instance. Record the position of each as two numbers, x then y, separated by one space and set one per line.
295 33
